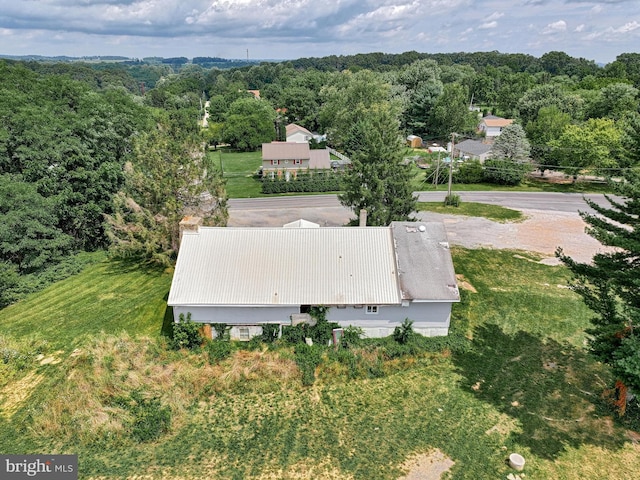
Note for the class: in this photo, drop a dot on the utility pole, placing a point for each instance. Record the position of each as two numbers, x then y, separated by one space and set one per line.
453 135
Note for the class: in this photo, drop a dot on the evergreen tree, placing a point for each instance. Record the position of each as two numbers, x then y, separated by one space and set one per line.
610 284
378 180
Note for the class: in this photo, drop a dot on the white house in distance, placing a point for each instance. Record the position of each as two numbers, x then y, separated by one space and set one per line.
369 277
492 126
298 134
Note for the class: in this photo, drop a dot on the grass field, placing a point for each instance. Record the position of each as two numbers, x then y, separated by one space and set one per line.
79 349
474 209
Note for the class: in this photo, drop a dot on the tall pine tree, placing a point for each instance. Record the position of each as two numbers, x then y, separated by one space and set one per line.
610 284
378 181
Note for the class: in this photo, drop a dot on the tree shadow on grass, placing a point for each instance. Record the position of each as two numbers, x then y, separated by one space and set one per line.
551 389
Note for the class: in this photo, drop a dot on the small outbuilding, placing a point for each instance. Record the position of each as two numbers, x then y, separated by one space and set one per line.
414 141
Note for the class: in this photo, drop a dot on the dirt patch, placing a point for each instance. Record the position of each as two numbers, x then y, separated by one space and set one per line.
464 283
427 466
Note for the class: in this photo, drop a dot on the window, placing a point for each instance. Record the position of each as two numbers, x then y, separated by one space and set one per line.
371 309
243 333
297 161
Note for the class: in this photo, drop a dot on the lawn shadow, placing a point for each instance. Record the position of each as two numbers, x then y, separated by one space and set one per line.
167 323
551 389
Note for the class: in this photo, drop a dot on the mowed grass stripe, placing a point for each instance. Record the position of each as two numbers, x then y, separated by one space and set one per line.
101 298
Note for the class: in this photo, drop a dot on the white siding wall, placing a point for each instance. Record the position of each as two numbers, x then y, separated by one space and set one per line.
429 319
237 315
299 137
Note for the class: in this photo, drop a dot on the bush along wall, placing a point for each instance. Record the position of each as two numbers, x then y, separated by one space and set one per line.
303 181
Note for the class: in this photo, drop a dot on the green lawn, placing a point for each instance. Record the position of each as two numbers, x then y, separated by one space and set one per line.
239 170
107 296
525 385
473 209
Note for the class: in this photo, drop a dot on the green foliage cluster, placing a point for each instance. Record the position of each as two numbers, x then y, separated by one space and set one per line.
302 182
218 350
186 333
270 332
308 357
149 418
496 171
452 200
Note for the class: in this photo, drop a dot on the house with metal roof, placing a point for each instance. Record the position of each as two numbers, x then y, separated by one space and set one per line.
369 277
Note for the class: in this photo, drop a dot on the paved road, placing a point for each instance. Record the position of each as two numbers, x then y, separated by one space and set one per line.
551 219
547 201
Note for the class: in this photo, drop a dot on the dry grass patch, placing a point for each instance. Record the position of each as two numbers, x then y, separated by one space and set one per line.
14 394
427 466
303 470
102 377
593 462
465 284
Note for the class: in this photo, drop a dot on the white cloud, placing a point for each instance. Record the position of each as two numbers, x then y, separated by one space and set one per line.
488 25
494 16
628 27
555 27
296 28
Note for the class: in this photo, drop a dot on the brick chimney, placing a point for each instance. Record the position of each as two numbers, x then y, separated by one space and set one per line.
190 224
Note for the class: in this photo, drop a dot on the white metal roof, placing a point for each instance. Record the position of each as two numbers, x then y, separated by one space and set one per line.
286 266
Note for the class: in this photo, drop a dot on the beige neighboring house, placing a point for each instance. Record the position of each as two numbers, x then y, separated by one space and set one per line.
285 156
281 156
492 126
298 134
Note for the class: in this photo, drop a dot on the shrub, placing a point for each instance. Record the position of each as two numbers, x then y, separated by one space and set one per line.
505 172
222 331
270 332
403 334
469 172
186 334
452 200
442 171
294 334
351 337
218 350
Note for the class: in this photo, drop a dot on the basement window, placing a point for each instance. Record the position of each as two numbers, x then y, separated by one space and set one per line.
243 333
372 309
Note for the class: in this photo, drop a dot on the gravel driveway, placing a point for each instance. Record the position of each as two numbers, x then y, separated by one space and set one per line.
542 231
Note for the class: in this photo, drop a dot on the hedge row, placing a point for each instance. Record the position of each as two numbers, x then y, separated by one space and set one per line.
317 182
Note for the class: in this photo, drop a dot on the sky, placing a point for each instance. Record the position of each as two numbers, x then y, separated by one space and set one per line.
291 29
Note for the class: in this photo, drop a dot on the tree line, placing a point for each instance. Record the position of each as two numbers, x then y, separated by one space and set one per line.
85 168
